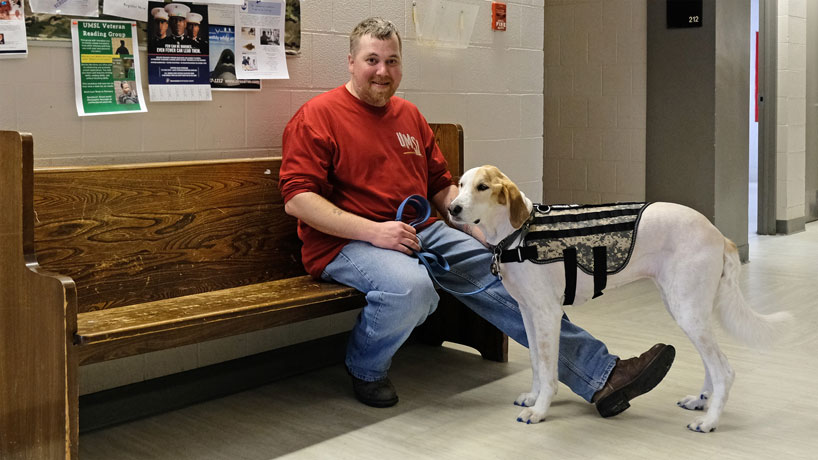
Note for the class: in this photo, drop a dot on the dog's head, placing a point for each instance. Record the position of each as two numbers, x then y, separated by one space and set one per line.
490 200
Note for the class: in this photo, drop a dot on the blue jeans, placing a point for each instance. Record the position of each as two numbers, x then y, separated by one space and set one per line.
400 295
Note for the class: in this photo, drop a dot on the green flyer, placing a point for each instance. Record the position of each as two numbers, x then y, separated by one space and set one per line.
107 79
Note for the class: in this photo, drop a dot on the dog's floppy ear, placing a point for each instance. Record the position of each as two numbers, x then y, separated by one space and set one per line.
517 211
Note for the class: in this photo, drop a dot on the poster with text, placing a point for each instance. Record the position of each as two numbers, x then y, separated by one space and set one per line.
13 41
223 62
107 79
178 52
259 40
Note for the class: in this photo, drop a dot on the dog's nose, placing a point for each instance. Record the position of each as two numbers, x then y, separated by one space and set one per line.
455 210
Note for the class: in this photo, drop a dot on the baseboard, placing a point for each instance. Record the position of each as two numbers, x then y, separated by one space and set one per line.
744 253
142 399
799 224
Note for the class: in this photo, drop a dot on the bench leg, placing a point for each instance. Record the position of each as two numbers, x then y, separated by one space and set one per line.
454 322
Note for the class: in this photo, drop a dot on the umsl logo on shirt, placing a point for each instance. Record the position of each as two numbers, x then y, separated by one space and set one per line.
409 142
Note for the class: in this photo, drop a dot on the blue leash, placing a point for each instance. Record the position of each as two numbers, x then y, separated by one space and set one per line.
430 258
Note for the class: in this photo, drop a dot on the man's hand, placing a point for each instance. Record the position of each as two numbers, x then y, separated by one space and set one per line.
395 235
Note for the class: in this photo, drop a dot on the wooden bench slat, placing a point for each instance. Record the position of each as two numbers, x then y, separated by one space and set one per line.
178 312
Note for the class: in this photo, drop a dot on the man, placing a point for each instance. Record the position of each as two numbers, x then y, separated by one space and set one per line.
128 96
334 178
194 21
178 23
122 48
160 19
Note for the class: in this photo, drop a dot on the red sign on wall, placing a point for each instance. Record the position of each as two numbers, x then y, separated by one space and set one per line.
498 16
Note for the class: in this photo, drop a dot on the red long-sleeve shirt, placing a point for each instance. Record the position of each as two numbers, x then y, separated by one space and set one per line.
366 160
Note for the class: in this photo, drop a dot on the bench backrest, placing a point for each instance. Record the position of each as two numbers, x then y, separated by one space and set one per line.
136 233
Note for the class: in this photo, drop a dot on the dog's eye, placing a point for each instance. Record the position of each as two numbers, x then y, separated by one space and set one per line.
482 187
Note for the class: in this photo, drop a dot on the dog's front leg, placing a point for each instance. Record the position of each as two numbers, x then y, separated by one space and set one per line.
543 329
528 399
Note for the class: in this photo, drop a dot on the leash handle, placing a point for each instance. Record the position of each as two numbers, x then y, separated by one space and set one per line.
429 257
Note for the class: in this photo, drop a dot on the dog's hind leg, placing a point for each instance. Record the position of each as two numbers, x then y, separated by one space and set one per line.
700 401
692 308
689 286
719 377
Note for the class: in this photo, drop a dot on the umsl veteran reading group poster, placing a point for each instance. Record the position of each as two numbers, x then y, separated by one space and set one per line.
106 67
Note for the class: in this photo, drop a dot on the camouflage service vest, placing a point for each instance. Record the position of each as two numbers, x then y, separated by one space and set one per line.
597 239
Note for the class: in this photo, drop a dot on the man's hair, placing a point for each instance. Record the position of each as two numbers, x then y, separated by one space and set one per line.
379 28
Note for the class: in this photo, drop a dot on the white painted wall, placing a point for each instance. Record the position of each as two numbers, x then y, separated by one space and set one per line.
494 88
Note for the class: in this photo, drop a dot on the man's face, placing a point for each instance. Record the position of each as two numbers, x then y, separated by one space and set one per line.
177 25
192 30
126 89
375 70
161 28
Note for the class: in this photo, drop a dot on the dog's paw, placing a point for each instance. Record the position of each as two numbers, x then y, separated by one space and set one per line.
529 415
694 402
526 399
703 425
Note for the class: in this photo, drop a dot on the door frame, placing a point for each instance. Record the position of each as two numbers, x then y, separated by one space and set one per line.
767 116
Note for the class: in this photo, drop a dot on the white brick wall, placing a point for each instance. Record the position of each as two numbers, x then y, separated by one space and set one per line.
494 89
595 94
791 109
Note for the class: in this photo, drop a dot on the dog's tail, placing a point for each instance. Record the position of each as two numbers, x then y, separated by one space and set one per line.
736 316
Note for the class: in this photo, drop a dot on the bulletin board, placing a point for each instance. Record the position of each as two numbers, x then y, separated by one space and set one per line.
53 27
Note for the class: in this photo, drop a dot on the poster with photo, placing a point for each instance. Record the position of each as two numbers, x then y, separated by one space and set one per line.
107 79
178 52
223 62
55 27
259 44
13 41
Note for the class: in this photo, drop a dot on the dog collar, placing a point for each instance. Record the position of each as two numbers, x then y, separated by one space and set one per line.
501 254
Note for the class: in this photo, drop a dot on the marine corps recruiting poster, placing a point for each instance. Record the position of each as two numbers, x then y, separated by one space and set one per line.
107 79
178 52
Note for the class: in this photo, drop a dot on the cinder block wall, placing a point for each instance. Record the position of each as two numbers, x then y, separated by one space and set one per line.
595 95
791 130
494 88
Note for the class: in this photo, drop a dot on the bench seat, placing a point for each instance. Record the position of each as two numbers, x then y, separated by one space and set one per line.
151 326
104 262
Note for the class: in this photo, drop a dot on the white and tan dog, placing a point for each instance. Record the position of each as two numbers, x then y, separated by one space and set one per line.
695 267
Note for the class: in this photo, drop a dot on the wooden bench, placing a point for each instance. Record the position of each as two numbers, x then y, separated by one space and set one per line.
99 263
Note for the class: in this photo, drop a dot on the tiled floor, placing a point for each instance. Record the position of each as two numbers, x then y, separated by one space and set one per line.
454 405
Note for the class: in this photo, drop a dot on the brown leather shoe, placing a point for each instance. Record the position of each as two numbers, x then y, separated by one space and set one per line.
633 377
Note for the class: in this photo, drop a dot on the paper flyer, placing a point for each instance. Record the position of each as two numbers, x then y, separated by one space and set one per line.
131 9
260 41
223 62
107 79
66 7
13 43
178 52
